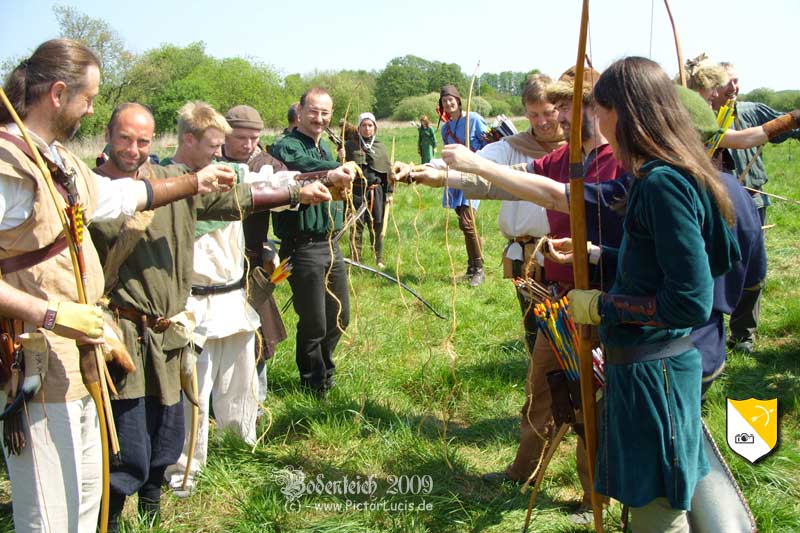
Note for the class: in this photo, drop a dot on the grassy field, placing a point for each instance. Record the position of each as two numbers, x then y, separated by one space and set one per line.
424 406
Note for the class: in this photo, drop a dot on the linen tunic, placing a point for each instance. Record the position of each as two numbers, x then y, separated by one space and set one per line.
156 280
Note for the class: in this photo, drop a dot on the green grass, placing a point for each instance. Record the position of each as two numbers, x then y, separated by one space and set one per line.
416 398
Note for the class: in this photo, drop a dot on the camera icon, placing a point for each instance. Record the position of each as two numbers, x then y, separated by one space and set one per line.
744 438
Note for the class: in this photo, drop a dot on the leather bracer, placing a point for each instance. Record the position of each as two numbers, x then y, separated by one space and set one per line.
168 190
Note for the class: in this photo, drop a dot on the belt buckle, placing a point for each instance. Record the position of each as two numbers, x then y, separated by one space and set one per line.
161 324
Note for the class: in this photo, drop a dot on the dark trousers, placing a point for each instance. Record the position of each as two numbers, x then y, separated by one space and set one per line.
744 318
151 438
466 222
321 319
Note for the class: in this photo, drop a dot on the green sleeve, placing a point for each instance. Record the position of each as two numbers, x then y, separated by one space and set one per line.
672 215
295 156
226 205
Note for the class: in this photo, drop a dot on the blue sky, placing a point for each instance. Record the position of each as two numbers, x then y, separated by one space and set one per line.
303 36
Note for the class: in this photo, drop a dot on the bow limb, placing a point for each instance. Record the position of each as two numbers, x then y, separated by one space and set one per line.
395 280
193 434
577 217
390 179
467 132
681 66
90 361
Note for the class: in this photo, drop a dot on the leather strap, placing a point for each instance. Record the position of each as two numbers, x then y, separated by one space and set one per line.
205 290
158 324
32 258
647 352
54 169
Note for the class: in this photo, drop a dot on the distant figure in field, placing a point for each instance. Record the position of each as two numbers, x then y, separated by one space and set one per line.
426 144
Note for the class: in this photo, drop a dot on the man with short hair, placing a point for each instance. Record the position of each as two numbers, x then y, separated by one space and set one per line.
225 323
55 471
524 223
148 261
600 166
744 319
319 279
242 142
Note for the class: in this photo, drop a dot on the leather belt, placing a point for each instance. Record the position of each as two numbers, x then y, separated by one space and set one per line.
158 324
302 238
525 239
647 352
205 290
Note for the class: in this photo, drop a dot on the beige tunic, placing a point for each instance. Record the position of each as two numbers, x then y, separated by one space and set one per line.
53 279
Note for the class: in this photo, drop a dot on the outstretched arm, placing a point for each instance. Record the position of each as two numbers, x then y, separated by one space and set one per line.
540 190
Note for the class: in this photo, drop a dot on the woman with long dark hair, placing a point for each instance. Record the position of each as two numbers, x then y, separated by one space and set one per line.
676 239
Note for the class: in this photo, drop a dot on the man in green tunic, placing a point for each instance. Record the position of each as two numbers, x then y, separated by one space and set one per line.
319 279
149 268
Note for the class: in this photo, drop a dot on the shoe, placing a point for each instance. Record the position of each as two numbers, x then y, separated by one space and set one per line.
475 274
583 516
498 477
745 347
381 265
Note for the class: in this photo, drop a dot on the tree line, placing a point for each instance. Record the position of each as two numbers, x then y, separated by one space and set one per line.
166 77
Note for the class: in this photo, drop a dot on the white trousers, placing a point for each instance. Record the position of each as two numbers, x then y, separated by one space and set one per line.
226 374
56 481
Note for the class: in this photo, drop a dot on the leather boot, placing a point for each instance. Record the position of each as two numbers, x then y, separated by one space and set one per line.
477 276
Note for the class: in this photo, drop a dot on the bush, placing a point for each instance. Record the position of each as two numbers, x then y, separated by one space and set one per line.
412 107
479 105
499 107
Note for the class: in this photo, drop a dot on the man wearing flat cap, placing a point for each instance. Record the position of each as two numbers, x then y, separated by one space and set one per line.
242 146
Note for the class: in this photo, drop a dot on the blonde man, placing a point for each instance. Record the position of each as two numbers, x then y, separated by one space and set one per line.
225 327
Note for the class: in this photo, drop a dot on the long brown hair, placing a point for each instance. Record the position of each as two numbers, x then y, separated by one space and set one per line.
55 60
653 124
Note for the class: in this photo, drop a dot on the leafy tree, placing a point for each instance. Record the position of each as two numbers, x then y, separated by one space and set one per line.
353 87
162 79
440 74
779 100
104 41
402 77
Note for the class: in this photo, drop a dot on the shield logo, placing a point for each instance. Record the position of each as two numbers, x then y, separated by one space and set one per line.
752 427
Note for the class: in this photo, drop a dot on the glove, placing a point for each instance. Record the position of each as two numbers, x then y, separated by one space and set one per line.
584 306
73 320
